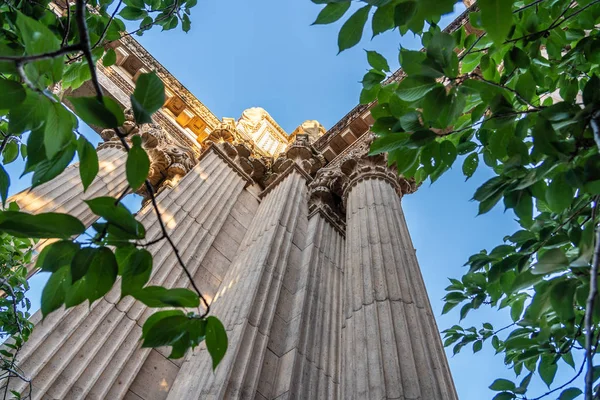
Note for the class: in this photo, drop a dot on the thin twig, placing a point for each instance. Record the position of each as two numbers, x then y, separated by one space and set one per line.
564 385
68 28
44 56
101 38
84 38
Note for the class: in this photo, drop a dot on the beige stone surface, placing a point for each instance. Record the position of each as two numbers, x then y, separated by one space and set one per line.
392 348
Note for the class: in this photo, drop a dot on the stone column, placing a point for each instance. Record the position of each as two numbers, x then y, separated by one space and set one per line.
247 302
65 194
391 345
94 352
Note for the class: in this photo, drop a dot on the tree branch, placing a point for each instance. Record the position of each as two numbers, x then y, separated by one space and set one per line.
591 300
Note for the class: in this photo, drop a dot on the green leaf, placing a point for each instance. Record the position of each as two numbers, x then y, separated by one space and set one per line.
138 164
500 385
12 94
10 152
157 296
165 331
470 165
186 24
135 3
147 98
383 19
404 12
110 58
116 214
44 225
550 261
46 170
58 130
559 194
570 394
101 275
216 340
547 369
562 299
421 138
53 295
377 61
30 115
104 115
414 88
56 255
496 18
132 13
4 185
135 265
504 396
38 39
389 142
331 13
591 91
88 162
82 261
157 316
352 30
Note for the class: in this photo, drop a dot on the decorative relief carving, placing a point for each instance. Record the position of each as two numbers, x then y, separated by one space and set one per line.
325 197
240 151
302 153
169 162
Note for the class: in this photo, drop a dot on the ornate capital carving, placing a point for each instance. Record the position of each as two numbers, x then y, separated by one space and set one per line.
169 162
239 151
358 165
325 197
300 152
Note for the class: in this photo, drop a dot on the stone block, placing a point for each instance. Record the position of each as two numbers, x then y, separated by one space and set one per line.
154 380
268 374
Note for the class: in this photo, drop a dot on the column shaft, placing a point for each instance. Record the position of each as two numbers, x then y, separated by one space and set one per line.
316 365
392 348
95 353
247 299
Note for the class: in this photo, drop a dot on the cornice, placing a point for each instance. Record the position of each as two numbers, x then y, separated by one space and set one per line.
170 81
171 127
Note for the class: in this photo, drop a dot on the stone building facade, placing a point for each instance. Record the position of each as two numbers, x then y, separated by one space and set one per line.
298 241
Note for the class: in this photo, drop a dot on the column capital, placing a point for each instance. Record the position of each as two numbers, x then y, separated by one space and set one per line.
357 165
325 197
240 152
300 156
169 161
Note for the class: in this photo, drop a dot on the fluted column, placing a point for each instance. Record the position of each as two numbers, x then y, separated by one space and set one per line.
248 297
95 352
315 366
65 194
392 347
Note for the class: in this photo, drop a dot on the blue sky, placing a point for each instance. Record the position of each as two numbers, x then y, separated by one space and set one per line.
241 54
